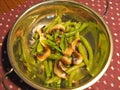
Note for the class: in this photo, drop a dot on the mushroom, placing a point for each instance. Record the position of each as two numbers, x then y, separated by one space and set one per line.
58 27
66 60
62 66
77 58
68 51
45 55
59 72
74 43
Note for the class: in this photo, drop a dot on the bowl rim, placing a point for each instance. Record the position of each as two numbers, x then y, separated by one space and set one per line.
88 84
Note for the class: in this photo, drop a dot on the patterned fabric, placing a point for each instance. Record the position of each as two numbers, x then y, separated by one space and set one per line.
109 81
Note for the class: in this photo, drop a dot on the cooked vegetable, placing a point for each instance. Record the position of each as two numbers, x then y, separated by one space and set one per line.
61 52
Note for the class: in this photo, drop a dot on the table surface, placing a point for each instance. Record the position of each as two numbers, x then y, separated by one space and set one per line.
109 81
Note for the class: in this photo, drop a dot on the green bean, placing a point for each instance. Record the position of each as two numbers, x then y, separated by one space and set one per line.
55 35
66 24
63 43
95 63
39 47
27 58
83 51
82 27
55 56
50 63
58 83
70 39
51 43
75 67
49 37
94 29
54 79
34 45
89 49
56 48
57 20
72 75
103 53
47 69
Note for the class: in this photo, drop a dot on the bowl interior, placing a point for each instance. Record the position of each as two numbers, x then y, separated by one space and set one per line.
44 13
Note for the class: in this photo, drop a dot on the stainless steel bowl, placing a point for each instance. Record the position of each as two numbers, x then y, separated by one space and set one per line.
40 15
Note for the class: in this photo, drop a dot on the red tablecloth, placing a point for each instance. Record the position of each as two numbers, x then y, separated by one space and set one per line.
109 81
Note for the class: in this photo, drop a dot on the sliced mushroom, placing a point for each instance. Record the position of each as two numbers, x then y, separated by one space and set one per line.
77 58
45 55
68 51
66 60
62 66
74 43
59 72
58 27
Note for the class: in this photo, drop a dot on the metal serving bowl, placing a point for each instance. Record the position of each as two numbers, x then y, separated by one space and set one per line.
40 15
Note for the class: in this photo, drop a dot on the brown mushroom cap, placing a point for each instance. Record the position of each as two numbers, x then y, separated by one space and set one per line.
62 66
66 60
45 55
59 72
68 51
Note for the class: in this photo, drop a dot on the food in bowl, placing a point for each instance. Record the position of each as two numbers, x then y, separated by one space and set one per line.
59 47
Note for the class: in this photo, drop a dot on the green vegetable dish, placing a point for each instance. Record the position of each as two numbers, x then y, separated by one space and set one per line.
62 53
